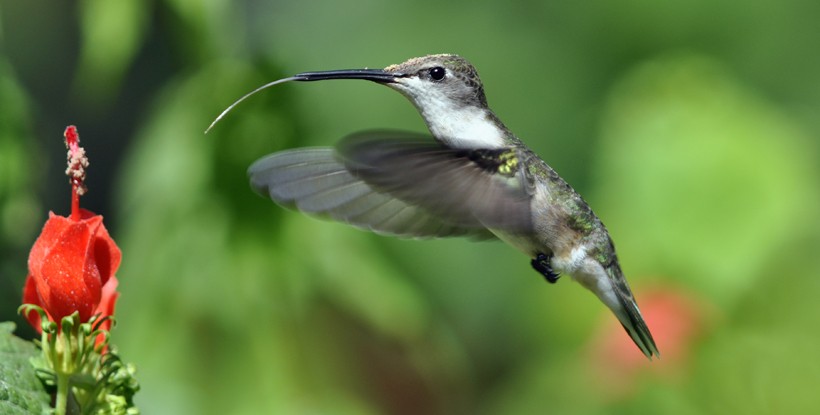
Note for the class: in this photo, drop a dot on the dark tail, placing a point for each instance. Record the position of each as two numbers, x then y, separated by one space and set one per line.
629 315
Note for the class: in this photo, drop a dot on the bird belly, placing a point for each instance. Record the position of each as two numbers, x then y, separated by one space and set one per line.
524 243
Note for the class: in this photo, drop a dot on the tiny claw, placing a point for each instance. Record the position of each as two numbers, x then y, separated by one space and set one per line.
541 263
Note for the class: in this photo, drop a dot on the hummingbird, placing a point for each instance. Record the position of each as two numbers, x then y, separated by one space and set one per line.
473 178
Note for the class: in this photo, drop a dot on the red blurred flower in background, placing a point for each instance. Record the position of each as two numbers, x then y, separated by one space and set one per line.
677 319
72 263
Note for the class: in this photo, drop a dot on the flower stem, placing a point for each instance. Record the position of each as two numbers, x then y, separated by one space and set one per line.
61 403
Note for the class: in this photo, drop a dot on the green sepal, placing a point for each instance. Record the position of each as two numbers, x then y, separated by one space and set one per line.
89 377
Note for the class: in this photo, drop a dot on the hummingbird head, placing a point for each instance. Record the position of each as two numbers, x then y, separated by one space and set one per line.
445 80
447 92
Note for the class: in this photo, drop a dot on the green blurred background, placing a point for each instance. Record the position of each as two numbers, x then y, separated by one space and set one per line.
690 127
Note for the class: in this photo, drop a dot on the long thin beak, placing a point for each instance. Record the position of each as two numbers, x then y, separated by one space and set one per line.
375 75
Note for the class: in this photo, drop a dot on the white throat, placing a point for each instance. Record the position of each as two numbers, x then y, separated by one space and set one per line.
451 122
468 127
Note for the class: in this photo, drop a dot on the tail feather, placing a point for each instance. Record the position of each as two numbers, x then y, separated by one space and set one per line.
640 334
629 314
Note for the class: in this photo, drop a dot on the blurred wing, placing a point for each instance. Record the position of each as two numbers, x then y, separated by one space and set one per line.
476 187
313 181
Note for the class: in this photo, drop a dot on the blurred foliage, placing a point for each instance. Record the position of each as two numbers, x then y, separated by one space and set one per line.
20 211
690 127
727 166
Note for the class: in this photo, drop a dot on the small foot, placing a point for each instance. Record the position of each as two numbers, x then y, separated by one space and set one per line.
541 263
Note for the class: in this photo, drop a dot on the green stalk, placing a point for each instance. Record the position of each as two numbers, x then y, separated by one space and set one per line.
62 394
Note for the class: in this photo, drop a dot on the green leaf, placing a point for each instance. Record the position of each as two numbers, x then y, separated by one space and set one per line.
21 392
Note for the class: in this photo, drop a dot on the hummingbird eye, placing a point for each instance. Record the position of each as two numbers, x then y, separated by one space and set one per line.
437 73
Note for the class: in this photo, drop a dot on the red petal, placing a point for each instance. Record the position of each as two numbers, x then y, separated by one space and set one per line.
71 268
109 298
64 271
107 254
106 307
54 226
30 297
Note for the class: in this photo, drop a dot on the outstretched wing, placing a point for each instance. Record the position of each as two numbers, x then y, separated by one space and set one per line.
470 187
401 184
313 181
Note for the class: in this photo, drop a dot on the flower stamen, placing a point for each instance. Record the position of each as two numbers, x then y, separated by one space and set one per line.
77 163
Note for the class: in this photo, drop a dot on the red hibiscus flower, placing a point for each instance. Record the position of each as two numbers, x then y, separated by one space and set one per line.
72 263
71 284
71 268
